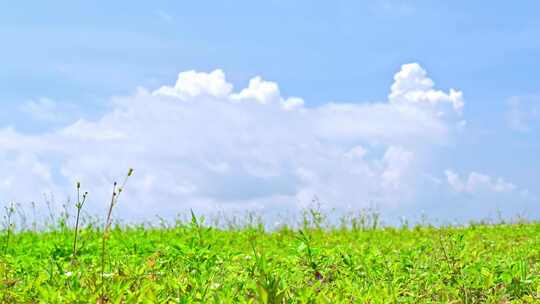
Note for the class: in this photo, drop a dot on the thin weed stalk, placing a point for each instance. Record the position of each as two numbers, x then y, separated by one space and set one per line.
9 216
79 205
108 222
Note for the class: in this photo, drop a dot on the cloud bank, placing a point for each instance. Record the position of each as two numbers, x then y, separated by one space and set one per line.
478 182
200 144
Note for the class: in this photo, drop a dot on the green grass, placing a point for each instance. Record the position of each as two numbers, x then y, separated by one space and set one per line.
189 263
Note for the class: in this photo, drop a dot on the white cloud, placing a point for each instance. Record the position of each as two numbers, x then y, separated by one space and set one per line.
397 161
48 112
292 103
200 145
41 109
260 91
478 182
356 152
192 84
411 85
523 113
266 92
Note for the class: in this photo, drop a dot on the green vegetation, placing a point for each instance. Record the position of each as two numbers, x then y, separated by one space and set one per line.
358 261
191 262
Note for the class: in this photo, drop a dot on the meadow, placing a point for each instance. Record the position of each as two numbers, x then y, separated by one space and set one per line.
357 261
78 259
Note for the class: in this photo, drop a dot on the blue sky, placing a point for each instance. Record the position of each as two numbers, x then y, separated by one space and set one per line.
63 61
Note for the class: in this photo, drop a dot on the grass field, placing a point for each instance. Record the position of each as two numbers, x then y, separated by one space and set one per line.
190 262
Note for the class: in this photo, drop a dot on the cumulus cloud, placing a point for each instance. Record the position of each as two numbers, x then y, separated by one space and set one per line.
265 92
200 144
412 86
193 84
478 182
397 162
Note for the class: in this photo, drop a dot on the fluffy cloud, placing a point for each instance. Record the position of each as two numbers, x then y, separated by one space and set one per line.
478 182
198 144
412 86
193 84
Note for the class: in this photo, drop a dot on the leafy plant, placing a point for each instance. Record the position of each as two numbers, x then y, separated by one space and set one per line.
191 261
